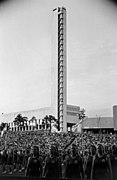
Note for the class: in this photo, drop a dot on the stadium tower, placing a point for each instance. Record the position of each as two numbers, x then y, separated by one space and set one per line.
59 83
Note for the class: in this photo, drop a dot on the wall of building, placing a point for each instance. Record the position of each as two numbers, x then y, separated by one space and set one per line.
72 117
72 114
94 122
38 113
115 117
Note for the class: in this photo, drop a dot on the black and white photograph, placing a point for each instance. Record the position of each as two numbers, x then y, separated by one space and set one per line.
58 89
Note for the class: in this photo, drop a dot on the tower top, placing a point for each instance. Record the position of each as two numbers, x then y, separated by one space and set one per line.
59 8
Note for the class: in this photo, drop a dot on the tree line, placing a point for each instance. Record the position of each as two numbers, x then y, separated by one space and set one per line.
47 121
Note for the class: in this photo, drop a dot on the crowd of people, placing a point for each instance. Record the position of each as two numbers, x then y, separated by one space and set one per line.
59 155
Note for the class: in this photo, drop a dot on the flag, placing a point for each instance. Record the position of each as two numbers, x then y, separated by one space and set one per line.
77 127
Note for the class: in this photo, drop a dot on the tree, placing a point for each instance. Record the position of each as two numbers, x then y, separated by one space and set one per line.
48 120
20 121
56 124
43 123
82 114
2 126
33 120
52 119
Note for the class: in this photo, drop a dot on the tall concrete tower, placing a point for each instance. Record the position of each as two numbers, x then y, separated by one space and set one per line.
59 67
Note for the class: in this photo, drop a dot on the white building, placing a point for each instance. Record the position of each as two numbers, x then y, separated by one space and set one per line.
39 114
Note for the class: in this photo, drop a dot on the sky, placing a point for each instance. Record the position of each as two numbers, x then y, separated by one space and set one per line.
25 54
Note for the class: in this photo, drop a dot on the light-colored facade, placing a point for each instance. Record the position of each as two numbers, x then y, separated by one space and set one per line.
115 117
39 114
59 67
98 123
89 123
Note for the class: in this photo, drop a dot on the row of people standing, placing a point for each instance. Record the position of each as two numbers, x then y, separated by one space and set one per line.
97 164
12 160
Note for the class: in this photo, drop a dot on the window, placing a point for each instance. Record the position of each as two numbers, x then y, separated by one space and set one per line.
61 73
60 47
61 63
61 100
61 90
60 32
61 107
61 84
60 15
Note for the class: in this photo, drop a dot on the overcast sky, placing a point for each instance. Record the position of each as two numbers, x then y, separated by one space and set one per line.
25 54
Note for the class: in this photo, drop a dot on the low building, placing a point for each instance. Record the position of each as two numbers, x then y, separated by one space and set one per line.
95 124
39 114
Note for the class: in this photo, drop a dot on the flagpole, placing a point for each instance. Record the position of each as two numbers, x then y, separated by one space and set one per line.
81 117
82 135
